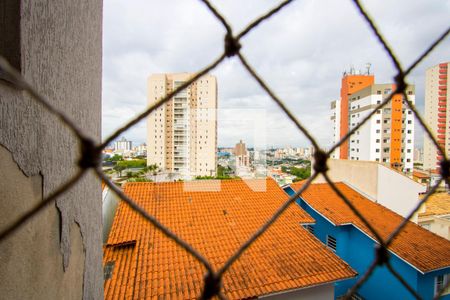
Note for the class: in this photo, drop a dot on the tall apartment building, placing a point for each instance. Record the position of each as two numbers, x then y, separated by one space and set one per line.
182 133
388 137
242 155
350 84
436 113
123 144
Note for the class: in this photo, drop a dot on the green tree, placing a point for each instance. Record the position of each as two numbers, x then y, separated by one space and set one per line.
116 157
119 169
152 169
139 179
135 163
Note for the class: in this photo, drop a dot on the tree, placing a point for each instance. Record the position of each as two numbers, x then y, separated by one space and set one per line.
119 169
135 163
153 169
116 157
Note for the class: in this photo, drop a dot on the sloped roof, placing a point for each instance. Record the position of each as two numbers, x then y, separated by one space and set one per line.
215 222
419 174
416 245
437 204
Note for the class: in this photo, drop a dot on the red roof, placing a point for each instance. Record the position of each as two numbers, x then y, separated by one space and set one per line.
421 248
215 222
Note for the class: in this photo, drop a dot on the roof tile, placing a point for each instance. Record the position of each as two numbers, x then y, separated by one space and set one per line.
216 223
416 245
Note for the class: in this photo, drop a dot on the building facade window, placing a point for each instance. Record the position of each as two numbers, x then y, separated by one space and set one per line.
440 282
108 270
310 228
331 242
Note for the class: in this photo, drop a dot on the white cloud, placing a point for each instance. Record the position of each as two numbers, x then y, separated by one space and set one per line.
300 52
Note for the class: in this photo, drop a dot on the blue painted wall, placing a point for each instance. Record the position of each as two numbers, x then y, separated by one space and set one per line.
358 250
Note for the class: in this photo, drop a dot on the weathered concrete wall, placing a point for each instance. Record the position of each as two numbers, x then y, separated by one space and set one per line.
362 176
58 254
398 192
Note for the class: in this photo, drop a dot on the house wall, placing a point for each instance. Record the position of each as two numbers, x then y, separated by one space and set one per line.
390 183
436 224
57 255
360 175
426 289
357 249
109 207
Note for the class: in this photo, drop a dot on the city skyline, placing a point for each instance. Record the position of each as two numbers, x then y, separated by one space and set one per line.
305 72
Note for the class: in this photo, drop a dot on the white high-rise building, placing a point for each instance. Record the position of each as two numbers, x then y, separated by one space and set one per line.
437 114
182 133
123 145
336 120
387 137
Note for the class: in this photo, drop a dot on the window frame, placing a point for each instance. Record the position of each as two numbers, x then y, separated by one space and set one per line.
445 280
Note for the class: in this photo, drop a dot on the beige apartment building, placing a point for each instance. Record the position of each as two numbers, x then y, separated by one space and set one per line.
436 114
182 133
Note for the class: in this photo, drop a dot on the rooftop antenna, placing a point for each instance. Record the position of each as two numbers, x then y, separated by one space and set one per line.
352 70
368 65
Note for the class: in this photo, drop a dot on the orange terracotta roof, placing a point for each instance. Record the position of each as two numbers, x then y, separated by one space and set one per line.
421 248
420 174
215 222
437 204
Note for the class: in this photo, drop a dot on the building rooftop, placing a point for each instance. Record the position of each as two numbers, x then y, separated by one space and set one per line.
437 204
414 244
419 174
215 217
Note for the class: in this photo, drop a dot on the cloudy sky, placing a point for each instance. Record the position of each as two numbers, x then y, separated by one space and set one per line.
301 53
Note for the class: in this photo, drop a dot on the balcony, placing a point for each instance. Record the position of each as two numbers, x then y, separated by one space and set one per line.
442 115
441 136
441 120
443 76
441 131
442 109
441 125
180 105
443 82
